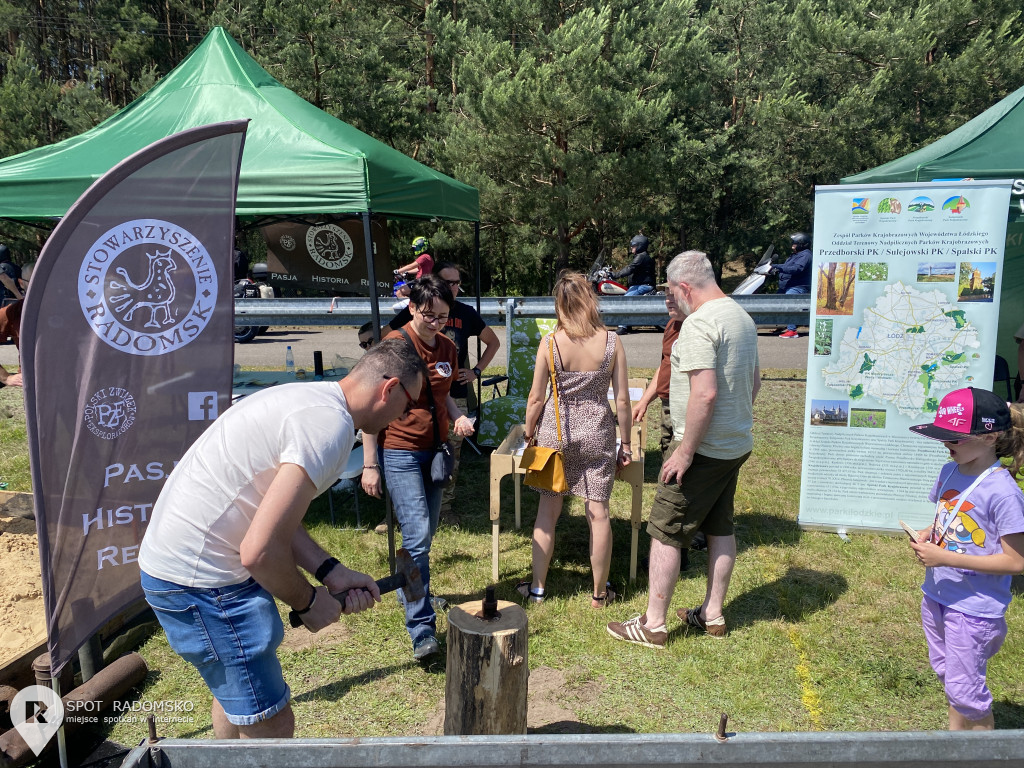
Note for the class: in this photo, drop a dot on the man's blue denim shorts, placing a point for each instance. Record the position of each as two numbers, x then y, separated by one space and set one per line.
230 634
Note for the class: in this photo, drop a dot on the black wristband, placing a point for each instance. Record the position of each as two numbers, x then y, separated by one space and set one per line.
478 372
312 599
325 568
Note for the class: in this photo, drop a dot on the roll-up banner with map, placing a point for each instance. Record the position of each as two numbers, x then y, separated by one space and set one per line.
906 306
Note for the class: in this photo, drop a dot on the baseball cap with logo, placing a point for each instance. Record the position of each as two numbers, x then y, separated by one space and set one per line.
965 412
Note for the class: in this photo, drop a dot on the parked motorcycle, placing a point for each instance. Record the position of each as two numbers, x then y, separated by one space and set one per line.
255 288
756 279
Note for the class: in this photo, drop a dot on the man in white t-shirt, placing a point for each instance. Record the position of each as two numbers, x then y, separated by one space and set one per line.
226 535
715 378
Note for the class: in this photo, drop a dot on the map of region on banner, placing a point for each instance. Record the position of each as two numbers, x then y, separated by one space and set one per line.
905 308
905 347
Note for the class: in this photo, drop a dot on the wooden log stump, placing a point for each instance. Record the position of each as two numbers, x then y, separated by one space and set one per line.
485 690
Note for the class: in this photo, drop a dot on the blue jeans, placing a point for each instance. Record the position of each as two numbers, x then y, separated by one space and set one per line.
417 502
796 289
230 634
639 290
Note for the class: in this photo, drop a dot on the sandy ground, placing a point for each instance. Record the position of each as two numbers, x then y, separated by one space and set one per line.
22 622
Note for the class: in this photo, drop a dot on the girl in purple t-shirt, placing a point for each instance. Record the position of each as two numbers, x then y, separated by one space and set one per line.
973 547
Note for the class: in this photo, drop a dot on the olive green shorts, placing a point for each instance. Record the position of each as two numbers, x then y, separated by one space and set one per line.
702 502
666 428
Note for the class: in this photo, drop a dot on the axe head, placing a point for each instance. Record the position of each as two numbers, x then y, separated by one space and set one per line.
405 565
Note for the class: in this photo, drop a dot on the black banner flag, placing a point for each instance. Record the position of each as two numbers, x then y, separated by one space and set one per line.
128 350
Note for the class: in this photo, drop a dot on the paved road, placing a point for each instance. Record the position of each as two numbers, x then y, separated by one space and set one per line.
643 349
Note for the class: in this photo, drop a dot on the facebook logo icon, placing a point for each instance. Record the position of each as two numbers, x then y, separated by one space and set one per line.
202 406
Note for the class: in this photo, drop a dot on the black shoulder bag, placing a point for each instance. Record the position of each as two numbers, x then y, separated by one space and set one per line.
443 464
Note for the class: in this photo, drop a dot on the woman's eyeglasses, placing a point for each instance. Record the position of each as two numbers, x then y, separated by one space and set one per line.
430 318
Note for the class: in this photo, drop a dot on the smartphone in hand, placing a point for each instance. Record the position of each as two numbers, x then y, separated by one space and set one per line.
910 531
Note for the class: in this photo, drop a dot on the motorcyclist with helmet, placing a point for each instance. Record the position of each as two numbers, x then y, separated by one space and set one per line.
641 272
795 273
422 262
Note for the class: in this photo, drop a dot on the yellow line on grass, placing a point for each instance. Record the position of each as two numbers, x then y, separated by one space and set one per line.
808 695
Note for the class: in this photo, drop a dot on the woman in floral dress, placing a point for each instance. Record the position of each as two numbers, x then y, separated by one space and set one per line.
587 357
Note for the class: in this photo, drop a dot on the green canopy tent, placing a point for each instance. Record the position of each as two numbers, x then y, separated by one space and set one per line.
987 147
298 161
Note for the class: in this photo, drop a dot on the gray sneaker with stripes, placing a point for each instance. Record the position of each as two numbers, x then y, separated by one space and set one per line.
634 630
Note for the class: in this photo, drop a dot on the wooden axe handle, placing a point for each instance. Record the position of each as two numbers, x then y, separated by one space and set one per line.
387 584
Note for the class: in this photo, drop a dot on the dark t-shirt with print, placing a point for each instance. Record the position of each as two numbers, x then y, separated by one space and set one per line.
463 323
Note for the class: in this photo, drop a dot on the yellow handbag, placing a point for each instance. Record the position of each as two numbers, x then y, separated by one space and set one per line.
544 466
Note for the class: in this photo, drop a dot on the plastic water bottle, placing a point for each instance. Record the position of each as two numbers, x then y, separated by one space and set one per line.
289 362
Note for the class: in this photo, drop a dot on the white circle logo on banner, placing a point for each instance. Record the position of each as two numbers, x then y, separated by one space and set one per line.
147 287
330 246
110 412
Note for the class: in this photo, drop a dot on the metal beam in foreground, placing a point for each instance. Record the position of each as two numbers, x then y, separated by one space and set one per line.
928 749
767 309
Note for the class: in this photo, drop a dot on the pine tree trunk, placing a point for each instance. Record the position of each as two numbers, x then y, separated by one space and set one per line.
488 673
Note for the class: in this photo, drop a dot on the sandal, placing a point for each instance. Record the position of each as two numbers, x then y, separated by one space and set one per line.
526 591
609 596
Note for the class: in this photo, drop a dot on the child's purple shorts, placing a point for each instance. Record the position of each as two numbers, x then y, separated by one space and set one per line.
959 647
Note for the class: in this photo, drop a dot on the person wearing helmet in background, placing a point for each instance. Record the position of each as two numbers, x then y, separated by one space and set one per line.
640 271
422 263
795 273
12 286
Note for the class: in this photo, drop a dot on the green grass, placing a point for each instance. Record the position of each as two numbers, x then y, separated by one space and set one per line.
13 440
825 634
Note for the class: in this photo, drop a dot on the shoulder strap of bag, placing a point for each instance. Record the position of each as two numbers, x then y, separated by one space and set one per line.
554 385
430 395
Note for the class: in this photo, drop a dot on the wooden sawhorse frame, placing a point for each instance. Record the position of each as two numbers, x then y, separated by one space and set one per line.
504 462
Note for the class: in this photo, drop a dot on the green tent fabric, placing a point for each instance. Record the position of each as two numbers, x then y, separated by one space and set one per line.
987 147
298 160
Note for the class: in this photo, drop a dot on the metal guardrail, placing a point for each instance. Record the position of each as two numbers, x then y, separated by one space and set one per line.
767 309
935 749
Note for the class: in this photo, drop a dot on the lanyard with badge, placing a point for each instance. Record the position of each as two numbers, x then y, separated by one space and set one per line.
946 522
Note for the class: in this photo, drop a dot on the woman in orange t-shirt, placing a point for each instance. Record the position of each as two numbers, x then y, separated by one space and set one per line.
407 447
